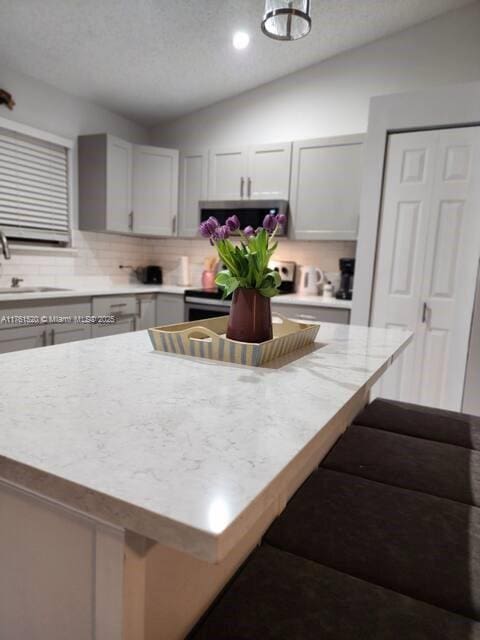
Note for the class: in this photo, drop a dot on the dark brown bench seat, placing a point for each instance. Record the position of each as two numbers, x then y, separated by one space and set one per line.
443 470
422 422
280 596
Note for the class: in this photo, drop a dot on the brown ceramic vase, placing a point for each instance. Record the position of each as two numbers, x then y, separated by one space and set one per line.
250 317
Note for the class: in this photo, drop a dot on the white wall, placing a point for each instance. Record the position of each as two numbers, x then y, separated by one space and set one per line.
98 255
332 98
44 107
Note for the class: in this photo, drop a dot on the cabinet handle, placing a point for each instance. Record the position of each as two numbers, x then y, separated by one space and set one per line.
305 316
44 338
52 336
130 220
249 188
174 224
242 184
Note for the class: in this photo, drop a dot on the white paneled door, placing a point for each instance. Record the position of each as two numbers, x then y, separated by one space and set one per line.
427 260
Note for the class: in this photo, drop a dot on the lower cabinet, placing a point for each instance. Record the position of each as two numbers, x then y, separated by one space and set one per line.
19 338
121 325
44 325
61 572
312 314
170 309
28 326
146 311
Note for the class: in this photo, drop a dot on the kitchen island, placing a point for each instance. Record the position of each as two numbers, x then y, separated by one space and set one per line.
134 483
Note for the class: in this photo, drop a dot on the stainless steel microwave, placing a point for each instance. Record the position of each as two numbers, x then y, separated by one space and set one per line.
249 212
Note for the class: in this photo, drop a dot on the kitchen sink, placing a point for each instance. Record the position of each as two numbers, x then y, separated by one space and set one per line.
8 290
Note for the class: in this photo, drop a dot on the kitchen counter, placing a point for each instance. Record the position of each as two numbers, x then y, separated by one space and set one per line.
187 452
312 301
294 298
92 292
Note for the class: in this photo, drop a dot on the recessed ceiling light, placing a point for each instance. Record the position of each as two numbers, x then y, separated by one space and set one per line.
241 40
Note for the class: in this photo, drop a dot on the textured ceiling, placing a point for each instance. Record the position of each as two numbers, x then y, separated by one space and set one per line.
152 60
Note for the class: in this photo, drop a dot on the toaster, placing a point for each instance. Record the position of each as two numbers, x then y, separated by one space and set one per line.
152 275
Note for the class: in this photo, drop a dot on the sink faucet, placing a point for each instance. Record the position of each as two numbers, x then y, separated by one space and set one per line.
16 282
5 247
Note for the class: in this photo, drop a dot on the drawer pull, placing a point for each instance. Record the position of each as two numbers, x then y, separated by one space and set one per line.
116 306
305 316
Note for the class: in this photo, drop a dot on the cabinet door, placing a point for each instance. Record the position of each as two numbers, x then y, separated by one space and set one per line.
269 171
119 185
147 312
170 309
121 325
155 190
19 338
227 174
60 334
193 188
325 189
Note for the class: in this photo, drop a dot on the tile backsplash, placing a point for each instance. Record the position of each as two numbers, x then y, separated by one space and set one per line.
95 259
324 255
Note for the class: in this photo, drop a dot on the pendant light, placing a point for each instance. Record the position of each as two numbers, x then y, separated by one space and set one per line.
286 19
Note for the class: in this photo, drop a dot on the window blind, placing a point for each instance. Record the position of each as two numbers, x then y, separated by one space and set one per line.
34 198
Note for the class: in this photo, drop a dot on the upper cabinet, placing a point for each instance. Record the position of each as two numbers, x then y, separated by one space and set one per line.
325 188
193 188
155 191
227 173
126 188
260 172
269 171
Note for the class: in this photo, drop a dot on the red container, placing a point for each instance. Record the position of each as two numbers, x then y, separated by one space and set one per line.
250 317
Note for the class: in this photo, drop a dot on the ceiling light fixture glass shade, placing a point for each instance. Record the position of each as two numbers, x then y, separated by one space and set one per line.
286 19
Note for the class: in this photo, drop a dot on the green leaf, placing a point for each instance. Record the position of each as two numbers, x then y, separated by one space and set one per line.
269 292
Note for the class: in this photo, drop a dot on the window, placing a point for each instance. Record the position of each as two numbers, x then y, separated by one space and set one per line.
34 185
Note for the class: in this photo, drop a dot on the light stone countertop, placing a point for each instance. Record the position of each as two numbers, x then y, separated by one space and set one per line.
312 301
184 451
294 298
87 292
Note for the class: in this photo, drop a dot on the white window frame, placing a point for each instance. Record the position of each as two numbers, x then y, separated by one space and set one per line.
46 136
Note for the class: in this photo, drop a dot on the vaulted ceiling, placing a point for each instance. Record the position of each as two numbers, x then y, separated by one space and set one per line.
152 60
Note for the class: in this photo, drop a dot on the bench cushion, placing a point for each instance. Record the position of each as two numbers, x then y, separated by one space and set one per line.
422 422
432 467
420 545
278 596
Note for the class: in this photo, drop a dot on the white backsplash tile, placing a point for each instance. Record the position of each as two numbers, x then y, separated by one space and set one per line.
98 256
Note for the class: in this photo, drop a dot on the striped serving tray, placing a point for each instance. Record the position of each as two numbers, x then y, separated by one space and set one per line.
208 340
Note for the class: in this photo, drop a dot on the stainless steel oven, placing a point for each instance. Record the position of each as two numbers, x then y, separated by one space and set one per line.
199 308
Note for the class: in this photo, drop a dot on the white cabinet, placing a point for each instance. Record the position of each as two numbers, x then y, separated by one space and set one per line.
325 188
19 338
119 184
193 188
170 308
16 337
126 188
147 311
155 190
62 572
227 173
124 310
105 183
269 171
257 172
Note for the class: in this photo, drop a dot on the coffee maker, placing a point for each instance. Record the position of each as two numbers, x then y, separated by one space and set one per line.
347 269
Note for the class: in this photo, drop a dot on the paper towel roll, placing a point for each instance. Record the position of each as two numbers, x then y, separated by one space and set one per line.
184 271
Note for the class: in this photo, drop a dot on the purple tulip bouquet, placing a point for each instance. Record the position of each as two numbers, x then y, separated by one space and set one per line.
247 262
